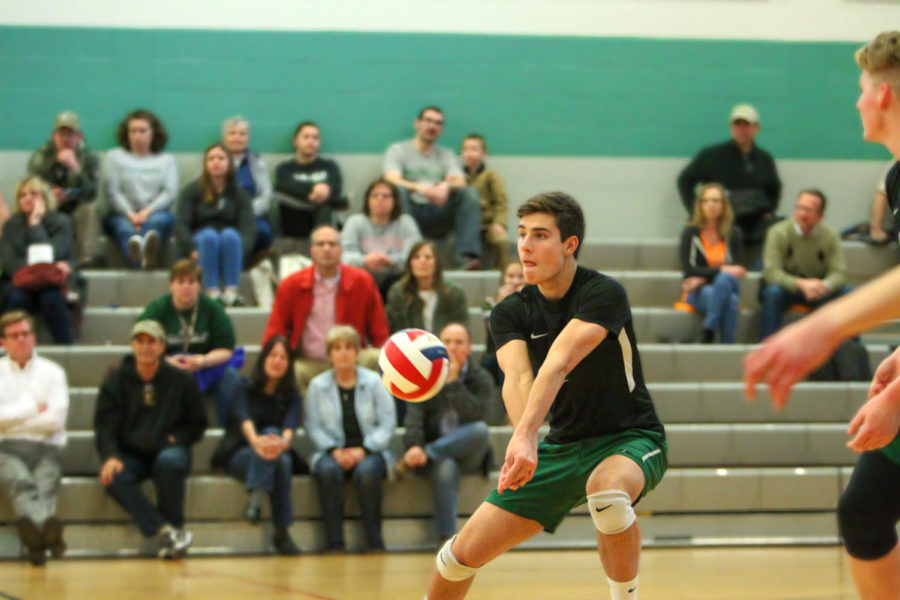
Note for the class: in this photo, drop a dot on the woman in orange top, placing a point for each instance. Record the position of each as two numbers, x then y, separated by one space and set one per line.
709 245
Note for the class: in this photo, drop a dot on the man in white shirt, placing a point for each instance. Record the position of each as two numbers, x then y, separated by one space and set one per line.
34 403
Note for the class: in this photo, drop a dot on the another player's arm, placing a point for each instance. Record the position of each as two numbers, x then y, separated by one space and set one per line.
799 348
577 339
517 378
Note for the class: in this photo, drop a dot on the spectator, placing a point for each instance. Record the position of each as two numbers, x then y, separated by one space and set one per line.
511 280
350 418
148 416
214 225
447 435
256 448
308 188
72 170
746 171
422 299
34 403
803 262
379 239
4 210
881 225
709 246
252 176
142 182
35 237
199 335
492 191
434 189
313 300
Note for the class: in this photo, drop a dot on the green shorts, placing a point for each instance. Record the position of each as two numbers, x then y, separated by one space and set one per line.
563 470
892 450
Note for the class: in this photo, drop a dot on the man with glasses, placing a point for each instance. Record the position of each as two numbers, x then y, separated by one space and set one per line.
802 262
34 403
434 188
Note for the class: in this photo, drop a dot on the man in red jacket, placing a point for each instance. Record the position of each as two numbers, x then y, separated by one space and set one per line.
309 302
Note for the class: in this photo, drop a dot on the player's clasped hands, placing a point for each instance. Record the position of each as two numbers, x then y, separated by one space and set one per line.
520 463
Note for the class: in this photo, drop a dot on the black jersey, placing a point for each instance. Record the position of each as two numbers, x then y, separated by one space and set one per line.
605 392
892 189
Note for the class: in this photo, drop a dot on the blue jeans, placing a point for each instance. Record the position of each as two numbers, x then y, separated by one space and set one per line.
222 392
367 476
52 306
119 227
273 476
461 215
463 450
719 302
263 235
776 299
169 471
220 255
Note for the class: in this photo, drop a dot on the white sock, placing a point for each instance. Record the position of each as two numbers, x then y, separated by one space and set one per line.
623 590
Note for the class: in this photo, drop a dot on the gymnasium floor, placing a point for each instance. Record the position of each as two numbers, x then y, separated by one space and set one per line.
666 574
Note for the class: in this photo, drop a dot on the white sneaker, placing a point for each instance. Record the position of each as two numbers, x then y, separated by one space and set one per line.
135 244
151 250
183 541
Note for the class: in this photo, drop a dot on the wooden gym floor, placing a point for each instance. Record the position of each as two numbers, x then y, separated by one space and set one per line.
666 574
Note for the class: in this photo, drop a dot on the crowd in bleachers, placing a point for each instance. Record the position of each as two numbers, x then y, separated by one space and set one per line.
367 275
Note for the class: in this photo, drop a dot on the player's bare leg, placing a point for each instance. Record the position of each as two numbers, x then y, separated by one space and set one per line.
619 552
877 579
487 534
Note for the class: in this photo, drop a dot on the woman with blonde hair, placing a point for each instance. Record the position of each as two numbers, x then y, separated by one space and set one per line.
37 229
709 245
351 418
214 224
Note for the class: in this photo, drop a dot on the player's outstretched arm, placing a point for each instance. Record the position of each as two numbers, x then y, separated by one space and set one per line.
796 350
577 339
517 377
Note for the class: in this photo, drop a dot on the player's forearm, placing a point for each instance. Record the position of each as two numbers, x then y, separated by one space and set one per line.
546 385
869 305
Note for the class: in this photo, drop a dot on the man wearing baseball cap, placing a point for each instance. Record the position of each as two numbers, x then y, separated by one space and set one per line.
748 173
149 414
72 170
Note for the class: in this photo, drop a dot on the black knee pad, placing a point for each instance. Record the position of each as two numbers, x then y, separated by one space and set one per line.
869 508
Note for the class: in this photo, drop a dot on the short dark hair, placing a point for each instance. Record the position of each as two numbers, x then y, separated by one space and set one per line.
427 108
479 138
184 268
306 124
12 317
160 136
565 210
818 193
397 210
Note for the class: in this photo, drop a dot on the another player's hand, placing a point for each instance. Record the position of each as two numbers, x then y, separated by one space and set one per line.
877 421
785 358
520 463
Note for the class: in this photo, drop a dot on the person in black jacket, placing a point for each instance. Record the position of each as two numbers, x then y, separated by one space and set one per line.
214 224
709 245
743 168
447 435
37 224
308 188
148 416
256 448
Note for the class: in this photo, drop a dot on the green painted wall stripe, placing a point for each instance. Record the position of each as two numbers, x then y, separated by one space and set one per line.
529 95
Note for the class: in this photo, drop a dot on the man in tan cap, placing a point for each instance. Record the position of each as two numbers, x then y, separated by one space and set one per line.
149 414
66 163
748 173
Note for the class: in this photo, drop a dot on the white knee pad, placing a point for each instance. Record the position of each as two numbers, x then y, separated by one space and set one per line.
450 568
611 511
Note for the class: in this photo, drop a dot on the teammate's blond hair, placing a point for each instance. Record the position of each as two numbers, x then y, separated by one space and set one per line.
881 58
